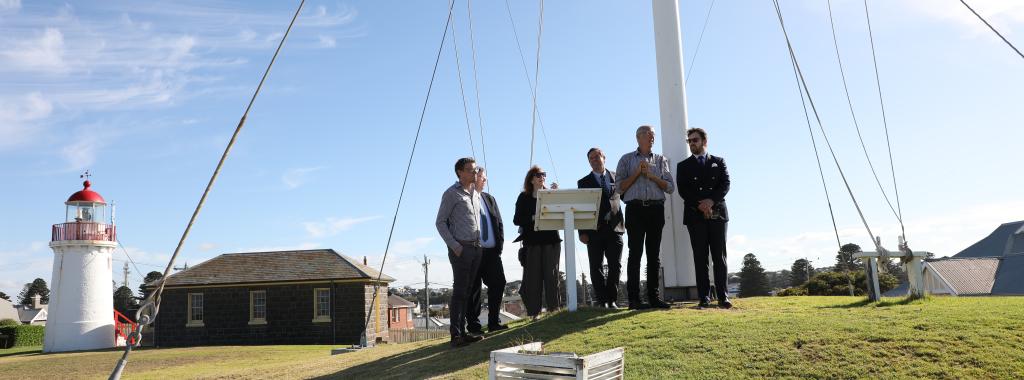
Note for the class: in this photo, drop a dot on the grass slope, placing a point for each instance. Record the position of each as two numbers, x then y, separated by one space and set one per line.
806 337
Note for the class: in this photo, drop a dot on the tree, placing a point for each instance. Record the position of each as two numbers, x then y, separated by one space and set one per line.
800 272
753 281
124 300
150 277
5 296
838 283
845 261
37 286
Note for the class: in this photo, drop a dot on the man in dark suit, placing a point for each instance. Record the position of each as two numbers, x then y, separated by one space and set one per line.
606 241
703 182
491 272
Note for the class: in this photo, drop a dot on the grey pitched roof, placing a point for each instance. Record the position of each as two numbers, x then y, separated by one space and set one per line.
1007 238
1010 276
396 301
969 276
278 266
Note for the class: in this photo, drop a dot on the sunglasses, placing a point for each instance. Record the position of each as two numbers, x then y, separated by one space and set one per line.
693 140
540 175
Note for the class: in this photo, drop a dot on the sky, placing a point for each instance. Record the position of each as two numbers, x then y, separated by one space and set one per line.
145 96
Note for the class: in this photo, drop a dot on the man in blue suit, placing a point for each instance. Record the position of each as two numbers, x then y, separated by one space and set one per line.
703 182
606 240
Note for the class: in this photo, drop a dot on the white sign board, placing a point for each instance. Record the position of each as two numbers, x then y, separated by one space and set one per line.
568 210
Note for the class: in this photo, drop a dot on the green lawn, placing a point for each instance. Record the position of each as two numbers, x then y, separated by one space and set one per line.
819 337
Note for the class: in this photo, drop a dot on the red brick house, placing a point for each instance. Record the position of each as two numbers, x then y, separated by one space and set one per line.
399 313
286 297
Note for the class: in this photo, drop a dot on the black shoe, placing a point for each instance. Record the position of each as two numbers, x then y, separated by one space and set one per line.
498 327
458 342
638 306
475 330
470 338
725 304
703 305
659 304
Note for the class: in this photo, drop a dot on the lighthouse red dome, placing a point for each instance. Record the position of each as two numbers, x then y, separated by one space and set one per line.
86 195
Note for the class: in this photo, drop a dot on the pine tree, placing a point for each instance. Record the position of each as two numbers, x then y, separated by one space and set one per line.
150 277
800 272
5 296
37 286
753 281
845 262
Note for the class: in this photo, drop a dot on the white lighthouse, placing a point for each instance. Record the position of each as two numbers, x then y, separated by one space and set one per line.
81 311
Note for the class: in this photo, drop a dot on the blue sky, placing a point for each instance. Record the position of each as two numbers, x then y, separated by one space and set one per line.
146 95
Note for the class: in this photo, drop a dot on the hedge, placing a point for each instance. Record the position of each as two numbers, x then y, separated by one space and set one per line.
23 335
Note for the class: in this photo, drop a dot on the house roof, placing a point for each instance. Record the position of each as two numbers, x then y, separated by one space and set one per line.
277 266
967 276
397 302
1007 238
1010 276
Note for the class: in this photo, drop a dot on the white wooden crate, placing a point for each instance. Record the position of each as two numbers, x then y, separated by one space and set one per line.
518 363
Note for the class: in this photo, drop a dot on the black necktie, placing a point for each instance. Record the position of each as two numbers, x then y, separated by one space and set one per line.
604 184
483 225
701 159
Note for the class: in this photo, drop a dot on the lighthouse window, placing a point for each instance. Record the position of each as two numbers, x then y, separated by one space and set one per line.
258 307
195 309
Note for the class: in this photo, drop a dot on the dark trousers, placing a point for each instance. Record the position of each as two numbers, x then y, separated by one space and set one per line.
492 274
707 238
605 243
540 276
644 225
464 270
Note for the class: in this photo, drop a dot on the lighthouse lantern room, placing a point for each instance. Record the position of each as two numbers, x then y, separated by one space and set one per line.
80 315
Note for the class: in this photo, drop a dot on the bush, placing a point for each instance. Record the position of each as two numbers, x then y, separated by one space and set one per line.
9 322
794 291
23 335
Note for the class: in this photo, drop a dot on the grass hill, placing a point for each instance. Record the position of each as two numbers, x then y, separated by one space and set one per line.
805 337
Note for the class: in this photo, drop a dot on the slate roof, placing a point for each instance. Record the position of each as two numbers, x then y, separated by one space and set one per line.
396 302
1006 239
970 276
278 266
1010 276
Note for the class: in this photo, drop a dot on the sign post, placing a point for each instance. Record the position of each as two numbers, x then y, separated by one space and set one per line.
568 210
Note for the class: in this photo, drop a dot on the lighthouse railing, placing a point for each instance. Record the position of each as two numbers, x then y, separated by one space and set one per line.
84 231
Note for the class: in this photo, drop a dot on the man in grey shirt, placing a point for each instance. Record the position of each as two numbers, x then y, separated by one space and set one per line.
458 222
644 179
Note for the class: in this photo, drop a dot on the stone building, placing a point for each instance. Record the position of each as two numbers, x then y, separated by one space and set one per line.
285 297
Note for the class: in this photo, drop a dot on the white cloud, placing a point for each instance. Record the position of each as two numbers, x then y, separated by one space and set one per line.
409 247
332 226
327 41
17 115
207 246
293 178
44 53
1000 13
10 5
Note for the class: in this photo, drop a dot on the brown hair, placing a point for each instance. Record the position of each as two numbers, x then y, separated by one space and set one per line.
699 131
595 149
528 181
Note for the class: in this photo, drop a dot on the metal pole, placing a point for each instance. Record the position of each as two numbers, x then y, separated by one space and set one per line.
426 293
677 256
570 260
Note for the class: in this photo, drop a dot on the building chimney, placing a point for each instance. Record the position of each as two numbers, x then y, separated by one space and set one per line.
36 303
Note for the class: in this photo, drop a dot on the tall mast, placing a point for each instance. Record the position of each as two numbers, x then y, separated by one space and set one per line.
677 256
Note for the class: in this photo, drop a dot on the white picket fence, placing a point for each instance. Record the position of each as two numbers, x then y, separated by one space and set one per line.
416 335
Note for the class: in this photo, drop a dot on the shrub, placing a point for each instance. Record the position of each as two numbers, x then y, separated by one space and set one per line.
9 322
23 335
793 291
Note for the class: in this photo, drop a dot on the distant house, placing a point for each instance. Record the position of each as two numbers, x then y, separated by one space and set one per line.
285 297
504 316
433 323
400 313
992 266
513 304
34 314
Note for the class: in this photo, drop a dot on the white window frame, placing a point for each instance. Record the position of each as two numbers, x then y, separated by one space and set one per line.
317 310
202 314
253 320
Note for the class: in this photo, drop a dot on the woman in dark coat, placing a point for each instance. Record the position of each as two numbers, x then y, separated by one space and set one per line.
540 270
